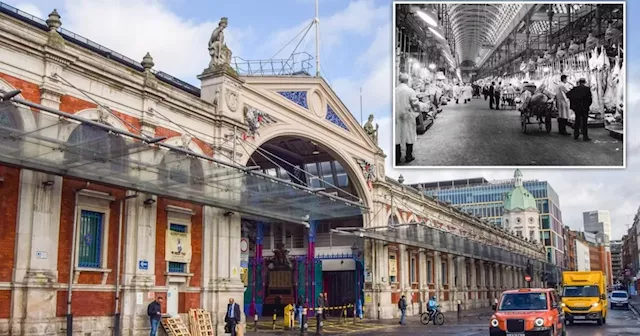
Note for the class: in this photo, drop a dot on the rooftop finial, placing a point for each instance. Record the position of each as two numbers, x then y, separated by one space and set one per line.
54 20
518 177
147 62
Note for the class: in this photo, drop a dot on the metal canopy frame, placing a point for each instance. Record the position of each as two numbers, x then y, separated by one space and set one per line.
43 139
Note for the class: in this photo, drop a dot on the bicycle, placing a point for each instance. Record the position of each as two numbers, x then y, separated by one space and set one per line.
436 316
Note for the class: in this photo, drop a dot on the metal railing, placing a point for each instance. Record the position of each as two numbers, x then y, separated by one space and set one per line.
299 64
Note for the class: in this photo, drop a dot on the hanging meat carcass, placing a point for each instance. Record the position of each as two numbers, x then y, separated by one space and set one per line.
611 92
612 35
573 48
591 42
561 52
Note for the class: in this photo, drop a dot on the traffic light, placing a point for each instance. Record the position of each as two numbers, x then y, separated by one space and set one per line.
529 269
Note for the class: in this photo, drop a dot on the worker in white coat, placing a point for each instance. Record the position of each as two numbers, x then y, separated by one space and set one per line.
562 102
456 92
406 134
467 93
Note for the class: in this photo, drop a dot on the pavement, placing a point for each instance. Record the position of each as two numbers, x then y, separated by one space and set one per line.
476 323
473 135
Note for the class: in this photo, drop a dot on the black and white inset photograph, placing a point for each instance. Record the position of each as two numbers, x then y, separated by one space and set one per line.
509 84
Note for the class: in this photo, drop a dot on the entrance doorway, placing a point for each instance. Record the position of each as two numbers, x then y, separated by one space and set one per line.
340 288
172 300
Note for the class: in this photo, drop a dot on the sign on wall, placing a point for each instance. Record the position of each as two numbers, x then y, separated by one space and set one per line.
393 268
178 247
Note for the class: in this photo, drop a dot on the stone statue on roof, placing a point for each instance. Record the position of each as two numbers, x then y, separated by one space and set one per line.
371 131
218 50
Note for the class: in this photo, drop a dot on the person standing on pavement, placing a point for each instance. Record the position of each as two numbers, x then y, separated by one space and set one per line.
456 92
492 94
233 316
580 99
154 310
497 91
406 134
562 102
402 305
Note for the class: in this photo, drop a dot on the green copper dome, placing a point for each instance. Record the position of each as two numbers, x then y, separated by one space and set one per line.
519 198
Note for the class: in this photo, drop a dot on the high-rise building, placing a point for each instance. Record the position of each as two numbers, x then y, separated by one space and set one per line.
617 267
583 259
597 221
485 199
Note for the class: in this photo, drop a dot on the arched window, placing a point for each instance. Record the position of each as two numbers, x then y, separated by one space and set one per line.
94 146
393 220
181 169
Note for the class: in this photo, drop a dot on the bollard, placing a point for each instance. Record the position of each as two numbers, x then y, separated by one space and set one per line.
378 310
303 325
291 320
420 306
354 313
319 321
344 313
255 322
274 320
362 314
459 308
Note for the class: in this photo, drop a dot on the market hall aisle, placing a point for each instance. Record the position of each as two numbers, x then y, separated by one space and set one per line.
473 135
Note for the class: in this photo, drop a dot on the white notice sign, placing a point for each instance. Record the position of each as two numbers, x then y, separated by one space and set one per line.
139 298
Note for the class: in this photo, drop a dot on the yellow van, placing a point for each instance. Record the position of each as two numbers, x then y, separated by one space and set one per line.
584 296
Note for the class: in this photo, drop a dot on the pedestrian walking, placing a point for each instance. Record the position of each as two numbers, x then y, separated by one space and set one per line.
580 100
233 317
492 95
562 103
402 305
154 310
456 92
321 304
497 90
406 134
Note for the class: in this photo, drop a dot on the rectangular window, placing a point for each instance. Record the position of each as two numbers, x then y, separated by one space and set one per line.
444 272
393 269
327 175
429 271
412 270
455 275
177 267
546 224
312 176
341 175
90 245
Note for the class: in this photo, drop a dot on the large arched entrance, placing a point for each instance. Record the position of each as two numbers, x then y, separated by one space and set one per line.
293 263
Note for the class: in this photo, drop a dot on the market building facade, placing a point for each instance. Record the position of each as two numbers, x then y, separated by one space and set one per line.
121 183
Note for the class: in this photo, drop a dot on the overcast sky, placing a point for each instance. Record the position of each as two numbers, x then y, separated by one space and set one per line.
356 52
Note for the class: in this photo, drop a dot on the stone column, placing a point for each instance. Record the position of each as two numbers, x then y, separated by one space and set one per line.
404 281
422 278
453 291
484 284
33 306
437 275
474 285
463 294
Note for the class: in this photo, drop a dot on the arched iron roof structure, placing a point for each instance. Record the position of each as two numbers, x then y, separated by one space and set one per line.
478 28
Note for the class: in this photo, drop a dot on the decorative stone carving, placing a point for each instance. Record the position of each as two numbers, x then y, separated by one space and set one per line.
103 114
216 97
256 118
54 22
185 139
149 78
334 118
232 99
370 130
218 50
369 172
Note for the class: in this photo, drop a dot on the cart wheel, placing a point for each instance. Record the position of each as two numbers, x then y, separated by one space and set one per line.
547 124
523 122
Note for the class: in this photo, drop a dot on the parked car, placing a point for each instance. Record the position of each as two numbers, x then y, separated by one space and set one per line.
619 299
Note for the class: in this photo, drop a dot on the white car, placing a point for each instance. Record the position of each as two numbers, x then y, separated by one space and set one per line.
619 299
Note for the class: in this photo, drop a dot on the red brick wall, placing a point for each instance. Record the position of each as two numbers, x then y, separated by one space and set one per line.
8 220
188 301
72 105
30 91
5 303
66 231
196 240
86 303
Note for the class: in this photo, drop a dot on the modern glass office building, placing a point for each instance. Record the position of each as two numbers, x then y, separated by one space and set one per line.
485 199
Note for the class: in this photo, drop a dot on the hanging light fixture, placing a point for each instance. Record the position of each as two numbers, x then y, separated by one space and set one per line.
432 66
436 33
428 17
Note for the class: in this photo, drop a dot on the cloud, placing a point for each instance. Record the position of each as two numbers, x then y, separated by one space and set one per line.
178 46
31 9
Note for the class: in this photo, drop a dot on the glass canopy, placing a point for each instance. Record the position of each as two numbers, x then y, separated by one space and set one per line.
35 137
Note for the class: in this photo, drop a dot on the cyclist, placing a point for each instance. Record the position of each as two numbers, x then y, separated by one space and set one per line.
432 305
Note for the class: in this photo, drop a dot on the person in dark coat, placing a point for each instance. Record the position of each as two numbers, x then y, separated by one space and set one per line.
154 310
402 305
580 99
233 316
491 94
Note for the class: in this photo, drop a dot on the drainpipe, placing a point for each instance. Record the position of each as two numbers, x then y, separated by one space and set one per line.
116 315
72 260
